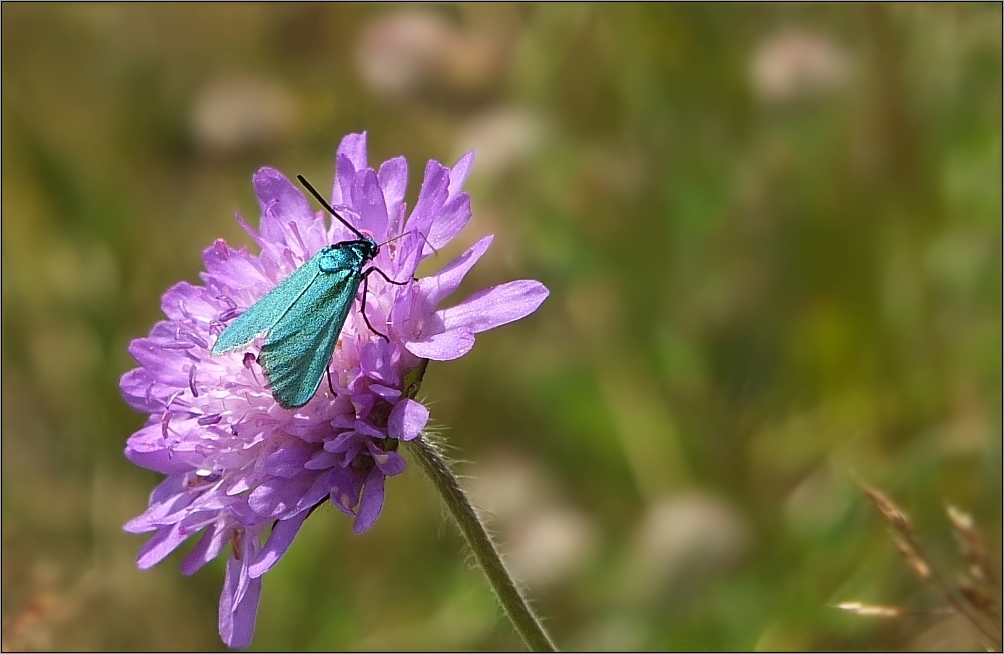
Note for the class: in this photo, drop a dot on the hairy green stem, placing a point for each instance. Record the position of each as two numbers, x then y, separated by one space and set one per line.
437 469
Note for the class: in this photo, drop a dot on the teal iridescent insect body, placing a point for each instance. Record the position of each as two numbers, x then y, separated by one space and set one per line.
304 315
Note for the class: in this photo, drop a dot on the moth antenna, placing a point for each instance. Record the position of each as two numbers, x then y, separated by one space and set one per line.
324 203
391 240
421 235
434 248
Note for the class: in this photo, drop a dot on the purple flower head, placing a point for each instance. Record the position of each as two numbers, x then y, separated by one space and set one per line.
245 472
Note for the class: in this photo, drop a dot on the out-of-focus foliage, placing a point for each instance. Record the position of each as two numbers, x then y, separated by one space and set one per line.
773 240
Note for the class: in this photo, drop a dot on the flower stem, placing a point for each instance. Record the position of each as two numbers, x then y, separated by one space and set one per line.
437 469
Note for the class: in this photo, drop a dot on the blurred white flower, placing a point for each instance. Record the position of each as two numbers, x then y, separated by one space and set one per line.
684 538
546 541
795 64
505 487
233 113
550 546
501 137
420 55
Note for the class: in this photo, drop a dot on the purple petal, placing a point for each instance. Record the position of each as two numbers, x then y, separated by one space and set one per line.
495 306
340 443
170 511
281 203
345 491
345 181
144 522
411 245
407 420
147 448
169 490
353 146
237 616
458 174
451 219
159 459
289 460
208 548
393 177
387 393
278 542
352 150
431 198
372 501
369 202
228 269
255 236
390 463
322 460
277 495
444 346
437 287
210 500
316 493
366 429
137 388
184 301
242 512
162 364
159 546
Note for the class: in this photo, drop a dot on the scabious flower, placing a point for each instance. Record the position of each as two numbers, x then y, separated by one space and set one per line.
245 472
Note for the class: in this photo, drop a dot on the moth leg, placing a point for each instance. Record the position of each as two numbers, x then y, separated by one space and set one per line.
384 275
362 307
330 385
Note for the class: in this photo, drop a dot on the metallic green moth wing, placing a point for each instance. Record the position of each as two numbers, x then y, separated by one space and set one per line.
266 312
298 348
303 317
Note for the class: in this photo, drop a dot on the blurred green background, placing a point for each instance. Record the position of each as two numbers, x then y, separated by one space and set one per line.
772 236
